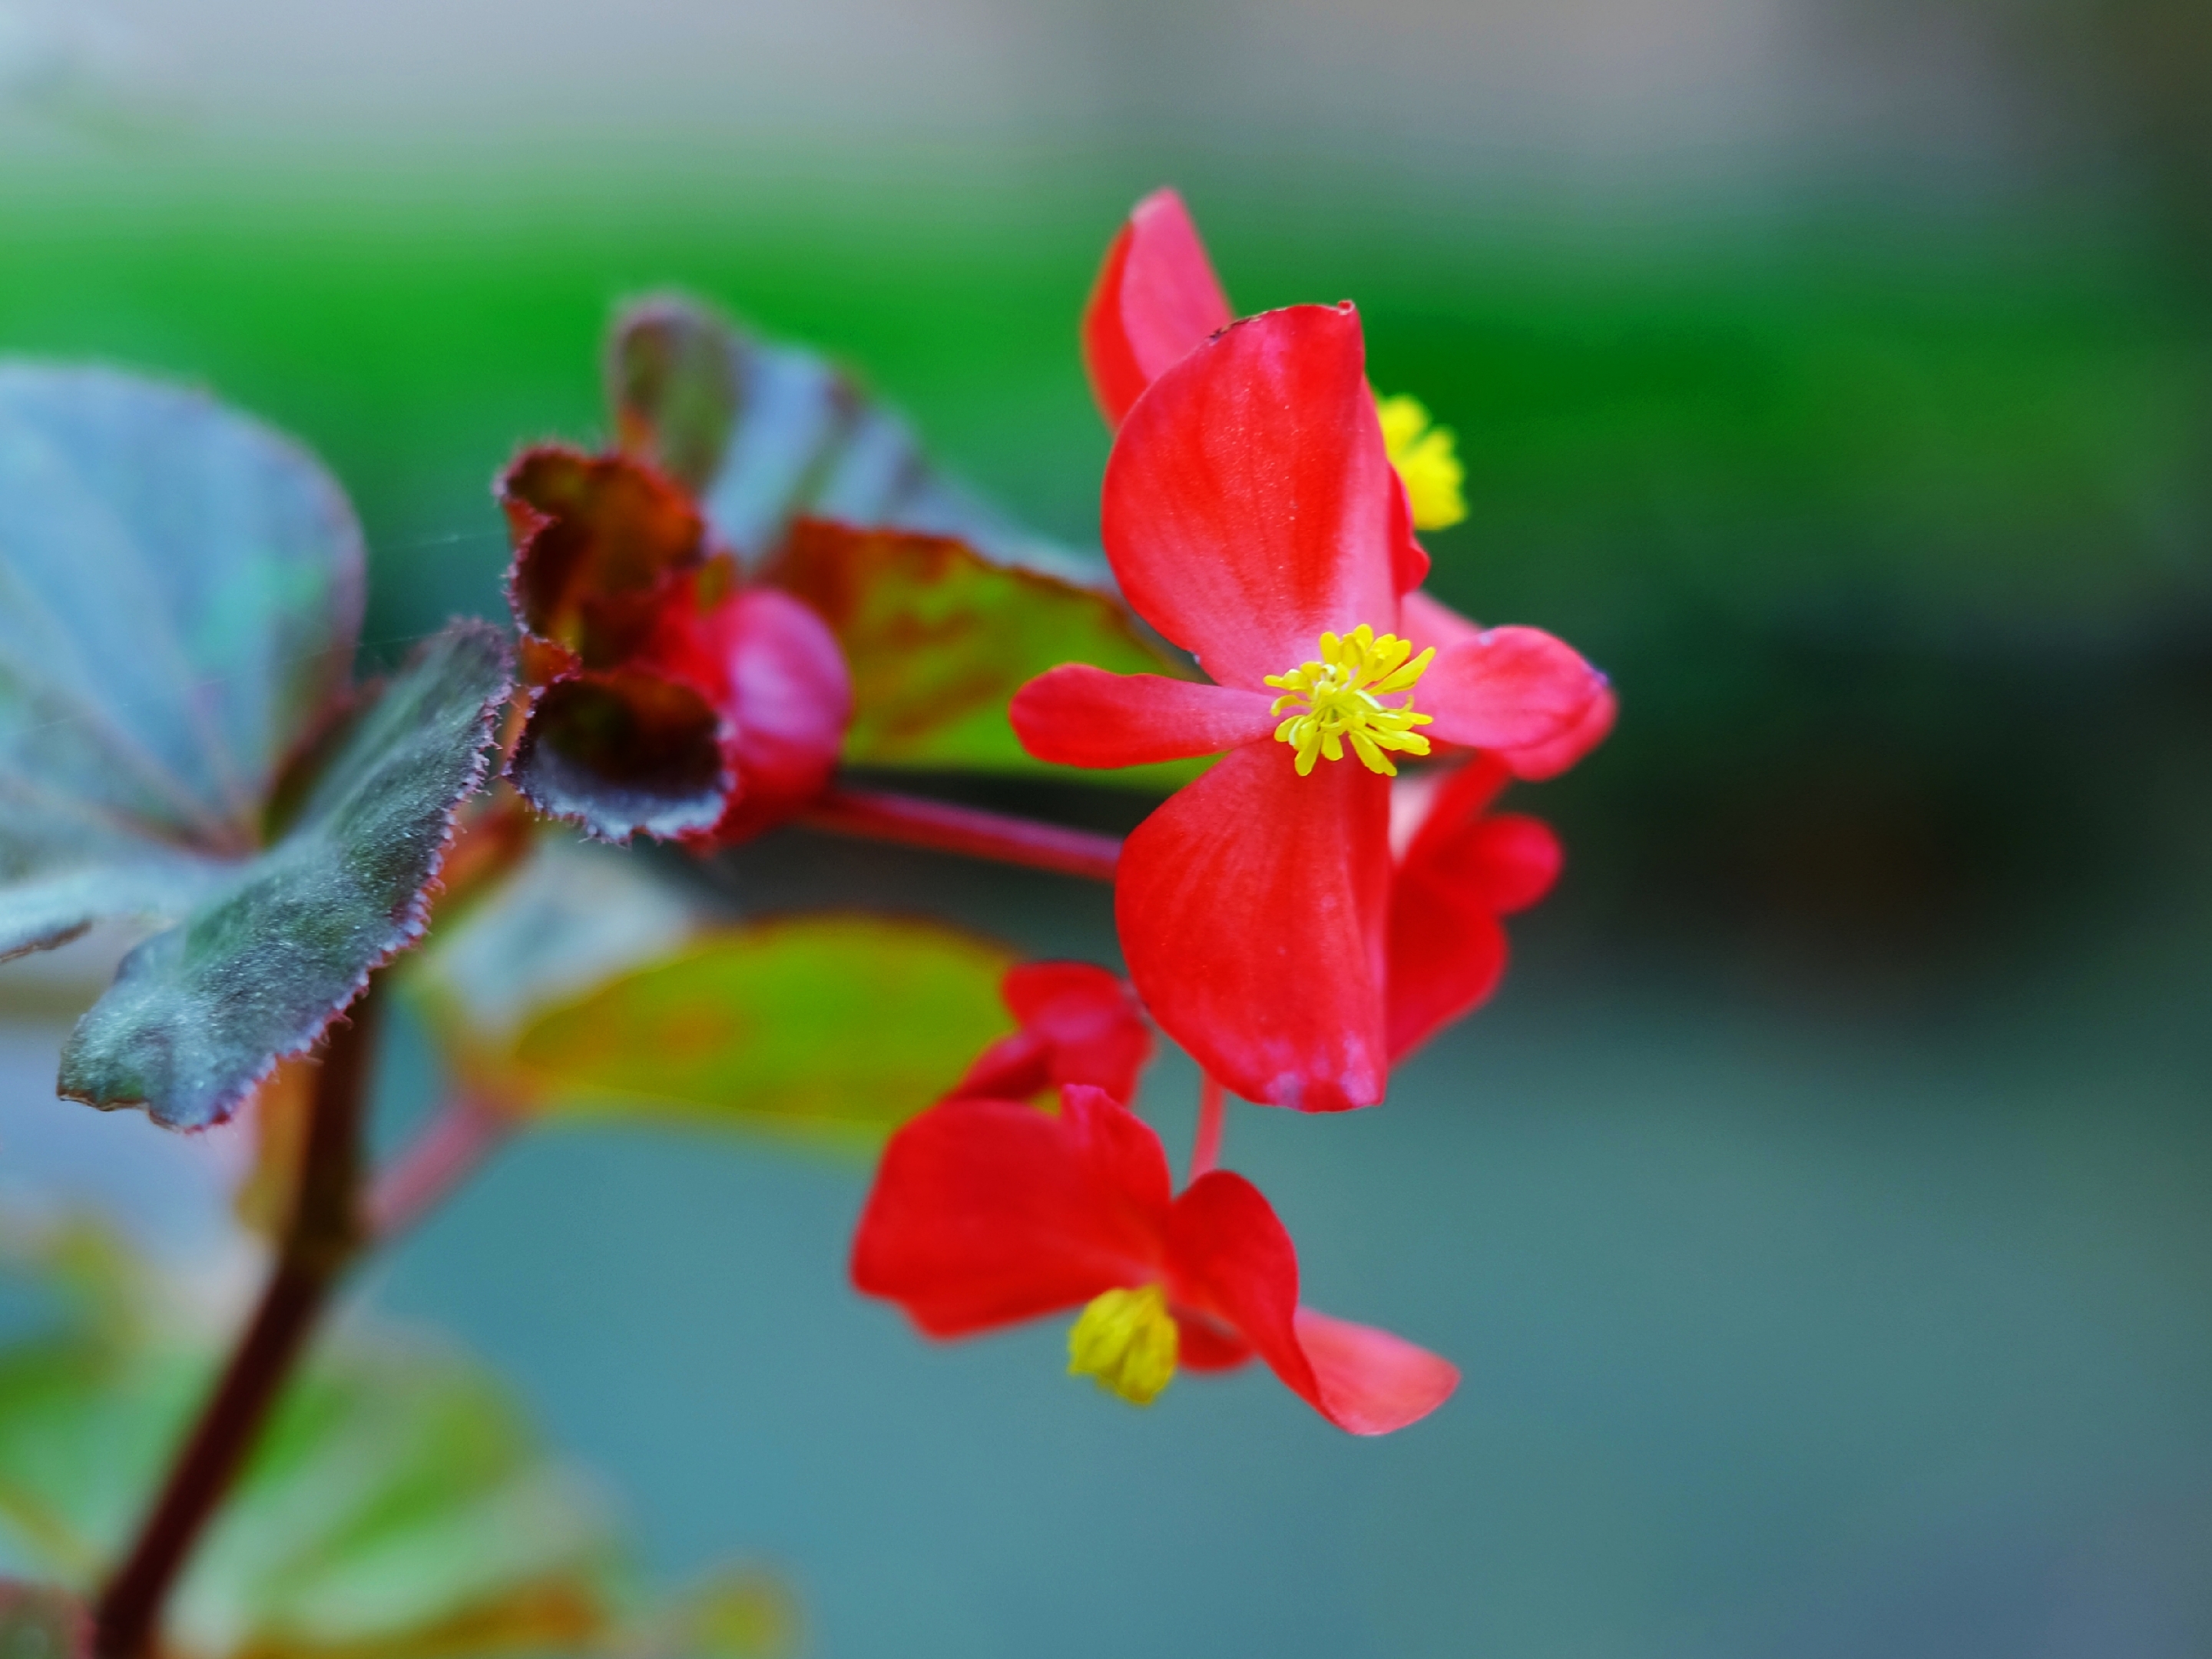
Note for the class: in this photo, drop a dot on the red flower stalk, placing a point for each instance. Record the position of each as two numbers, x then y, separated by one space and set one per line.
1156 300
669 697
1251 517
1458 867
989 1212
1079 1023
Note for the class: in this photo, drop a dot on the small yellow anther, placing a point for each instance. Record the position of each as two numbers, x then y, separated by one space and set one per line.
1338 699
1127 1340
1426 458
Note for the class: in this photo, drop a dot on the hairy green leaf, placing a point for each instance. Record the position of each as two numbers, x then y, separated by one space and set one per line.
199 1013
179 592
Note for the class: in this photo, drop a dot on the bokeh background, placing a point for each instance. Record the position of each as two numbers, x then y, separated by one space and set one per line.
1821 1214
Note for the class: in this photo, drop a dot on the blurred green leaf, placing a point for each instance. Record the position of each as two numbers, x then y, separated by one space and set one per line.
939 640
179 592
41 1621
257 969
575 916
398 1504
842 1026
396 1492
767 434
737 1613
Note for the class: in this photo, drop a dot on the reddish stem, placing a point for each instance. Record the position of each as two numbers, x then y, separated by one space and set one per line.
880 815
467 1129
321 1239
1212 1110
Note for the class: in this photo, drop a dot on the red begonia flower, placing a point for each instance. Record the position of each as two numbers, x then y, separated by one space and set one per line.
1249 516
1458 869
1079 1023
1156 300
988 1212
668 697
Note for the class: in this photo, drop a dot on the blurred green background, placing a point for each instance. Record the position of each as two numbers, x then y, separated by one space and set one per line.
1820 1215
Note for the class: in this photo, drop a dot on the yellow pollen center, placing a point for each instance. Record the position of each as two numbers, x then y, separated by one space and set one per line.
1426 458
1338 699
1127 1340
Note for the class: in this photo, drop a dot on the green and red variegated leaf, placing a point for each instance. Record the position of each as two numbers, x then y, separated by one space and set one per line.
939 639
573 994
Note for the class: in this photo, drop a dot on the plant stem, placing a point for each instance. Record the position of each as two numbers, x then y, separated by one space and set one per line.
466 1131
321 1239
882 815
1212 1110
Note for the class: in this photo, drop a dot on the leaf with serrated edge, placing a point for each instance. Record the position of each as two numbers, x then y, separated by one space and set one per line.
199 1013
838 1024
180 590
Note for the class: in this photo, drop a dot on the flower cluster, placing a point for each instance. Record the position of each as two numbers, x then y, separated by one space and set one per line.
1299 918
668 697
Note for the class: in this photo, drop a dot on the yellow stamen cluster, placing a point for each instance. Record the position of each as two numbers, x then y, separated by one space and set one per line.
1426 458
1339 700
1127 1340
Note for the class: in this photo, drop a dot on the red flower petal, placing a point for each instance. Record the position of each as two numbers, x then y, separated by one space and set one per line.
1444 802
1251 908
1445 961
1248 506
1229 1257
1078 715
1509 688
1371 1382
1079 1024
1427 620
1460 871
1091 1018
1156 301
986 1212
1549 759
1409 560
1506 862
772 671
791 698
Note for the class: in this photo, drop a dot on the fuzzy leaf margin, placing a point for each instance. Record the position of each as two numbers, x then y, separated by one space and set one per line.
256 971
